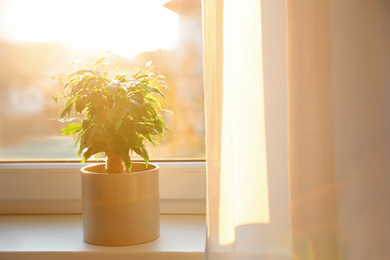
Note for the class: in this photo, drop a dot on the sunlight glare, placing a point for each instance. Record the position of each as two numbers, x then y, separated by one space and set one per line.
124 27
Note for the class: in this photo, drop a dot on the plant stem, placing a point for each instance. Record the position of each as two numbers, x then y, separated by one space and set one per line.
114 164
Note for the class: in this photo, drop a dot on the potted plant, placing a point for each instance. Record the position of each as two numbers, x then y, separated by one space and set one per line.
116 116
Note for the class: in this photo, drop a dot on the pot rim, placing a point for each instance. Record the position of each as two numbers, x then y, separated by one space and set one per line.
85 169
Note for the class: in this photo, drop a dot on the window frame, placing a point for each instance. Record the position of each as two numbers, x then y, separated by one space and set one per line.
55 187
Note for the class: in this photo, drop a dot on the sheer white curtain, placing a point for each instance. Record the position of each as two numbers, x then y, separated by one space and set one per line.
247 175
338 70
339 128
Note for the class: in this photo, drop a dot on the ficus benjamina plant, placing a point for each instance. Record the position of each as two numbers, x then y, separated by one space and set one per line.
114 116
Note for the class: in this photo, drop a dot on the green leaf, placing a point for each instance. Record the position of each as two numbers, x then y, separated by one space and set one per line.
117 64
71 82
81 103
151 109
128 109
118 124
80 73
95 148
81 84
76 87
78 141
127 160
55 99
68 108
154 102
64 120
141 151
89 134
136 99
99 61
156 90
71 129
121 77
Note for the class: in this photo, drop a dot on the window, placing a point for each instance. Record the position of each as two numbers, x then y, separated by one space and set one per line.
40 40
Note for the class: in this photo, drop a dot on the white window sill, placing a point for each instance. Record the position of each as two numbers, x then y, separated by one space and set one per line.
55 188
60 237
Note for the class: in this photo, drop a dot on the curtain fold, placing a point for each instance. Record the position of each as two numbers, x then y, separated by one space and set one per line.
311 146
239 161
338 106
339 119
237 87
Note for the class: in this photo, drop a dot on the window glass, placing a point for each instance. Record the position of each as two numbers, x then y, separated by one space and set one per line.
40 39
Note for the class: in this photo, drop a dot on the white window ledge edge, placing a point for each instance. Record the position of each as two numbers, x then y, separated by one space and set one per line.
54 188
182 237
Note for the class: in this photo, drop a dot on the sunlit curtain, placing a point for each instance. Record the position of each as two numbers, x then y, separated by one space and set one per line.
339 128
338 71
245 220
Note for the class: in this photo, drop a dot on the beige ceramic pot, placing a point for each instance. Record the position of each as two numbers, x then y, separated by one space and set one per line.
120 209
